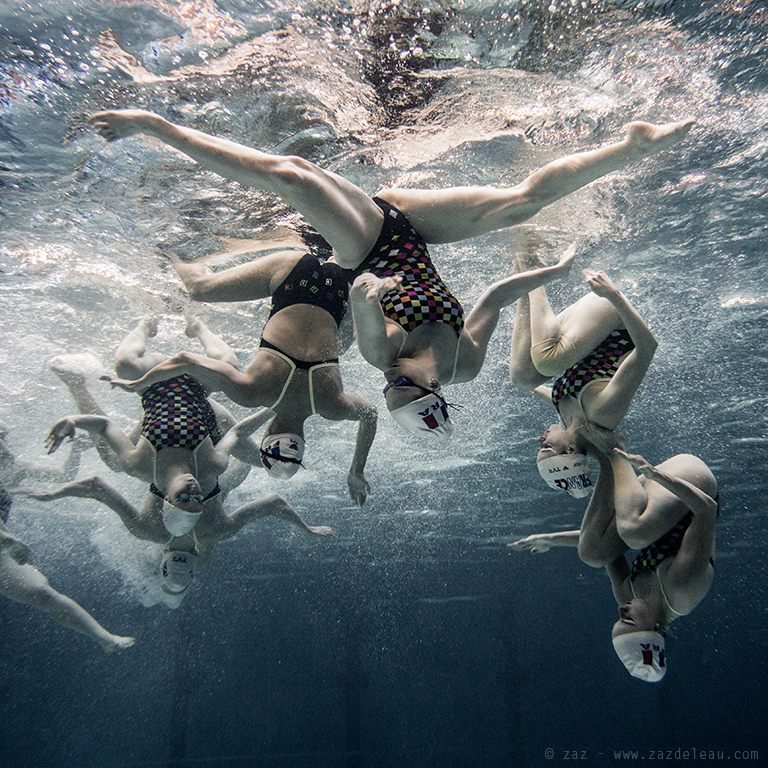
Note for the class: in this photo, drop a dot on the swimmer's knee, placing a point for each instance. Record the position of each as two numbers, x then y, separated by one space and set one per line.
126 367
632 534
525 378
593 556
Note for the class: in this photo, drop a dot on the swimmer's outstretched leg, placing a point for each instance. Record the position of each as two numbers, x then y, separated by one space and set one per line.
25 584
448 215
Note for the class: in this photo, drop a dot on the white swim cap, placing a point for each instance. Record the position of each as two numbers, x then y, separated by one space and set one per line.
177 569
281 455
179 522
425 417
643 654
569 472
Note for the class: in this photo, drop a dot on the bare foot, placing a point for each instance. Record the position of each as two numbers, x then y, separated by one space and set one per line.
644 139
194 327
603 439
149 325
71 369
114 644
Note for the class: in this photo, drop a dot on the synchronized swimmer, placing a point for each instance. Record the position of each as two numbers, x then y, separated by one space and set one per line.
371 253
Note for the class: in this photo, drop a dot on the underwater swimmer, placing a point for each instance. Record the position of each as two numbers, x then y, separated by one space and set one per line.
23 583
408 324
601 348
295 372
669 513
185 552
132 360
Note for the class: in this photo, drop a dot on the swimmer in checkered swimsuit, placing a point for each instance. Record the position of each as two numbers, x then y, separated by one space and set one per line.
181 453
600 350
353 224
669 512
295 372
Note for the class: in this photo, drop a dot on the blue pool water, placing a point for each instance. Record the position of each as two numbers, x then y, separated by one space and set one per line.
414 637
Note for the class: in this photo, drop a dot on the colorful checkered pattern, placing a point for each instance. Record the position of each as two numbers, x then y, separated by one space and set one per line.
422 296
602 363
667 546
177 414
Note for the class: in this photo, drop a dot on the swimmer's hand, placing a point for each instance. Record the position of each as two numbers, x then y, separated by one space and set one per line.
61 431
124 384
566 260
122 123
320 530
359 487
536 543
639 463
603 439
368 286
600 284
39 494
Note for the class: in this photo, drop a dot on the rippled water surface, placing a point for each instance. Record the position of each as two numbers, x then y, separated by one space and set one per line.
414 637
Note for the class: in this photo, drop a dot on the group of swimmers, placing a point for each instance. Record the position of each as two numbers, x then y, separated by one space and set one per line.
371 254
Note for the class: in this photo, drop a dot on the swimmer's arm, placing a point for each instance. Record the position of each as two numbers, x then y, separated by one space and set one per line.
618 571
213 375
236 438
142 525
353 408
544 393
377 340
691 564
271 506
226 158
129 456
610 406
28 472
543 542
701 504
483 319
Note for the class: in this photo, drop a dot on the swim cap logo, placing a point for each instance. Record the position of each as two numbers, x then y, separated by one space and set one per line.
428 415
648 650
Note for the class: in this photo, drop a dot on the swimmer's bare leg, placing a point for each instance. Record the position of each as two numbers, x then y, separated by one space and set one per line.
341 212
246 282
214 346
131 358
13 545
449 215
25 584
534 321
141 524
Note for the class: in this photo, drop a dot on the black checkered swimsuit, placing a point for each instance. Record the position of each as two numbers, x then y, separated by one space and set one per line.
177 414
602 363
422 297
